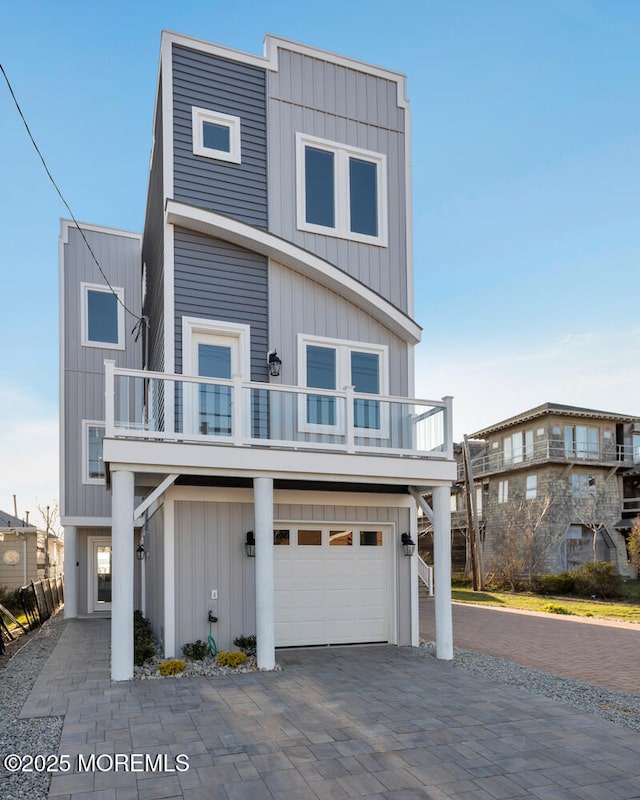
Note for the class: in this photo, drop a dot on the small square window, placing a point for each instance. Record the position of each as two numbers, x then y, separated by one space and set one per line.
281 538
340 538
102 316
370 538
216 135
309 538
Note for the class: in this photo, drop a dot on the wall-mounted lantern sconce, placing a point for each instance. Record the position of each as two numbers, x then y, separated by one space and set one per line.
140 552
250 545
408 545
274 362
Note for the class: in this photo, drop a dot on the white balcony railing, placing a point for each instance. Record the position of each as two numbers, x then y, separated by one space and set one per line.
153 405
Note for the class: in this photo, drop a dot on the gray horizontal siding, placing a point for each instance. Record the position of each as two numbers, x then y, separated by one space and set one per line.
218 84
220 281
299 305
153 249
313 97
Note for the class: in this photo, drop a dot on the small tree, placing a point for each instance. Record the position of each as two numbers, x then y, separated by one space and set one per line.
49 516
590 512
633 543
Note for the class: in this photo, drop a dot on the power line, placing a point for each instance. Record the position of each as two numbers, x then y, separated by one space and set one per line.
140 321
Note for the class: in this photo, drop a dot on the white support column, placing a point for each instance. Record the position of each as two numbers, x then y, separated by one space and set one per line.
442 571
122 575
169 580
415 610
265 622
70 571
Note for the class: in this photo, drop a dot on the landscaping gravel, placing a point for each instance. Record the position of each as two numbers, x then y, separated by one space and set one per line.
27 736
617 707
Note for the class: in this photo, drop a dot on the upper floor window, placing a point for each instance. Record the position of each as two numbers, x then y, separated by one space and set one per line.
327 364
581 441
215 135
92 461
517 447
583 485
503 491
341 190
532 487
102 316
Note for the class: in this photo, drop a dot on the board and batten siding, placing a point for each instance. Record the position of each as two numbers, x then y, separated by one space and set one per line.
311 96
299 305
203 80
217 280
153 248
154 573
83 367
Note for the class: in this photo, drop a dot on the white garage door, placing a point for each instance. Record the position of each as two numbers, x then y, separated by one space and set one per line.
331 585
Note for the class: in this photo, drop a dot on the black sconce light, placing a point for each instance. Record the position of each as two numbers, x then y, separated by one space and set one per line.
250 545
408 545
140 553
274 362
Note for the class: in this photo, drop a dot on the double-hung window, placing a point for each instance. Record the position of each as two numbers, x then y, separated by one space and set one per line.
334 365
102 316
341 190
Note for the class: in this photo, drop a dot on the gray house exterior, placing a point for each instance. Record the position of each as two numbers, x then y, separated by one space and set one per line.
270 394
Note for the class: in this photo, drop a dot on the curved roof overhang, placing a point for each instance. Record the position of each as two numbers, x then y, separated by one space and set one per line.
317 269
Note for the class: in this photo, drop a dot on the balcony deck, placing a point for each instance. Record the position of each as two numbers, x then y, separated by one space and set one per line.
158 422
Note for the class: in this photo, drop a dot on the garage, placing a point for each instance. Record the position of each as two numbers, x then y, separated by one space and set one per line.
332 584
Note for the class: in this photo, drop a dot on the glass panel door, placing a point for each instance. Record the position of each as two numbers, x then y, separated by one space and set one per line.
102 577
214 402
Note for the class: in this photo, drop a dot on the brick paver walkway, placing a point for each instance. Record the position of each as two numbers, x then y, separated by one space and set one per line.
378 722
597 652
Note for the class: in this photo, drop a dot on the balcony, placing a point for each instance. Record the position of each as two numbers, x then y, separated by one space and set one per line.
553 450
411 438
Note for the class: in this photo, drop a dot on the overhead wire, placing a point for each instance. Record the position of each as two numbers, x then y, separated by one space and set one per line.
140 320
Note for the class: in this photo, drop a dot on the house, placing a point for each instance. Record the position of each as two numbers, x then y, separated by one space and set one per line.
23 553
240 439
572 472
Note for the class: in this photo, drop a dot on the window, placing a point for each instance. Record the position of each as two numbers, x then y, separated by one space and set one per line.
309 538
340 538
341 190
281 537
216 135
92 463
583 485
517 447
102 316
503 491
325 364
581 442
532 487
479 500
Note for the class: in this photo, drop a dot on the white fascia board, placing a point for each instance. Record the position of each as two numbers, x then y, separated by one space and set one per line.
86 522
289 254
209 459
304 497
61 369
272 44
68 224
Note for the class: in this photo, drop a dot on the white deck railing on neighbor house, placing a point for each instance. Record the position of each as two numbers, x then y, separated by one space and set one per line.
425 573
155 405
552 449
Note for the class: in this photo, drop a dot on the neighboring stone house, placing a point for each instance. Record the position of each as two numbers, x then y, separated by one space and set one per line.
584 464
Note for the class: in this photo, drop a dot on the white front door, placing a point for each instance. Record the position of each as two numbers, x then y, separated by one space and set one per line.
99 574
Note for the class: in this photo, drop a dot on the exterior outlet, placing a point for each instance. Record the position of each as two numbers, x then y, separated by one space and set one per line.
214 594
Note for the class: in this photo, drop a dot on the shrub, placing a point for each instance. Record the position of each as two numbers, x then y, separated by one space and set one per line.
231 658
562 584
174 666
598 580
195 651
247 644
551 608
144 645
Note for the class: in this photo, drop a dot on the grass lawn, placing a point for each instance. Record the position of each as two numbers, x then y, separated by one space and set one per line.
629 612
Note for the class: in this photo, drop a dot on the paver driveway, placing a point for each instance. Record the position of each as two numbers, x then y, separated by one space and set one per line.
377 722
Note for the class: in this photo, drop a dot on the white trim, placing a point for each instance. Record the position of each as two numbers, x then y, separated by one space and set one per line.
62 444
169 360
67 224
85 288
166 75
216 494
84 449
342 154
155 495
201 115
272 44
86 522
290 255
192 326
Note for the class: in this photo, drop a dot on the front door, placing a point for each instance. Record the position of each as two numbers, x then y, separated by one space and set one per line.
100 577
215 359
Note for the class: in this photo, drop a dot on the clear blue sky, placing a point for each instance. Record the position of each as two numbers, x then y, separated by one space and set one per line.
526 138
